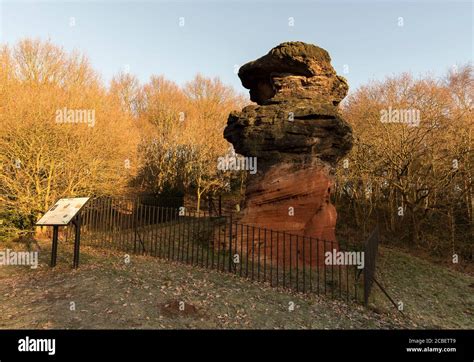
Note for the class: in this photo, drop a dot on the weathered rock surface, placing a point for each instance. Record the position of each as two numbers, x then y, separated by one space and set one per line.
297 135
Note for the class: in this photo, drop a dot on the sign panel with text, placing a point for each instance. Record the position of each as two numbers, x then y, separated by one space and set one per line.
62 212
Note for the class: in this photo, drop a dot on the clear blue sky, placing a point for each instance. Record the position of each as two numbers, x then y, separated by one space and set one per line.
217 35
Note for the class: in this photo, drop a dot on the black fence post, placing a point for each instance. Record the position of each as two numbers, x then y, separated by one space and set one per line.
230 243
54 247
220 205
134 227
77 241
370 254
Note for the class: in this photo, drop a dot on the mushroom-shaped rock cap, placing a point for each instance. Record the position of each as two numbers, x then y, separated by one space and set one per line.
285 60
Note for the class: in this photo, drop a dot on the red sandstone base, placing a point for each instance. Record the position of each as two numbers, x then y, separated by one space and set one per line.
296 203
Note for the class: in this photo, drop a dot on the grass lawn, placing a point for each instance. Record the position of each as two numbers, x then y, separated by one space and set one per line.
150 292
433 296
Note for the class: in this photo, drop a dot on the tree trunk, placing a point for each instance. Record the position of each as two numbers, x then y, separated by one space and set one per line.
198 203
415 226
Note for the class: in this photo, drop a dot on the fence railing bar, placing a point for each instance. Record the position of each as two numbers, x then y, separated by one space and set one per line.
253 252
277 257
190 237
332 272
304 265
297 256
258 256
271 257
265 255
247 253
204 221
230 243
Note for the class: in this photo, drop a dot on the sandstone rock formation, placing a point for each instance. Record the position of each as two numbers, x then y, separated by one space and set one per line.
297 135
